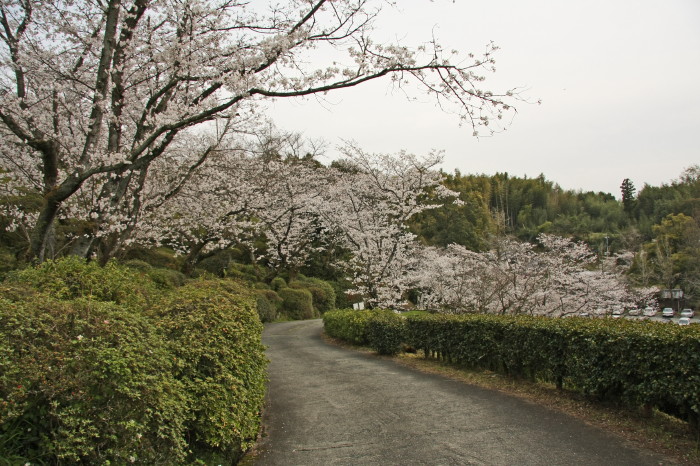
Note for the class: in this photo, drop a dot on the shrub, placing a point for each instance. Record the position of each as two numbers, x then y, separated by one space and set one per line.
86 382
217 264
278 283
101 379
157 257
641 363
8 262
164 279
167 279
348 325
267 311
296 304
386 332
215 337
73 277
138 264
341 298
249 272
322 293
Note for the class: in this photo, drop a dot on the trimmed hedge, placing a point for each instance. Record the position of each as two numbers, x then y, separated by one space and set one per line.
348 325
91 375
639 363
386 332
215 336
380 329
73 278
297 304
86 382
321 291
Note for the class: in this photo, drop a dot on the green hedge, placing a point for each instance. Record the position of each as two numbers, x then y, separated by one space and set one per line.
321 291
297 304
86 382
215 336
73 278
348 325
639 363
386 332
91 375
380 329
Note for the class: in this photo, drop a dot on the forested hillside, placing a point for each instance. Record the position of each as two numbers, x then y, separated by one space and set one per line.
659 225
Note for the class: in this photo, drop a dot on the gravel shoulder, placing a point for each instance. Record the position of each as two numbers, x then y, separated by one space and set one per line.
328 405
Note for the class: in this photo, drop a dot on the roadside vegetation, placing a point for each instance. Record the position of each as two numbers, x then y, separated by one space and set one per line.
636 379
106 365
151 219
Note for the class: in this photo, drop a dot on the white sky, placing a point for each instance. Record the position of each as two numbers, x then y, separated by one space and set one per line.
619 82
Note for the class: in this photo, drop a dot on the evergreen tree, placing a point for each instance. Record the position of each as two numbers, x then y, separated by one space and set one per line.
628 192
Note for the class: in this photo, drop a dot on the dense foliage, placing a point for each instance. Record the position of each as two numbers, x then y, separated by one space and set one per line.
640 363
653 233
100 365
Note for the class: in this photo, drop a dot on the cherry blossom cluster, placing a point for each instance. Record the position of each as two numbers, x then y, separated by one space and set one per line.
558 277
94 94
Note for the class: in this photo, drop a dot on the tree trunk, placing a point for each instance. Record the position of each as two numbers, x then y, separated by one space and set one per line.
42 230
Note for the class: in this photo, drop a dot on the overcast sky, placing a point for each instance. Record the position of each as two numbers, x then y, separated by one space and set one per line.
619 82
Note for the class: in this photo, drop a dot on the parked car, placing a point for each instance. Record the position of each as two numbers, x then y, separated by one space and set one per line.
667 312
687 313
684 321
616 314
634 312
649 312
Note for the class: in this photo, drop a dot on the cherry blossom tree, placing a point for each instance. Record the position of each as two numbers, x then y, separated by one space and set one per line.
557 280
93 93
260 186
368 207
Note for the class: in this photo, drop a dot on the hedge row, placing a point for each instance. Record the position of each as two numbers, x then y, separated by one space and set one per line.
640 363
99 366
382 330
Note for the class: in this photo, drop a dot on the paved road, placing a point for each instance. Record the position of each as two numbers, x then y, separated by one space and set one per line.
332 406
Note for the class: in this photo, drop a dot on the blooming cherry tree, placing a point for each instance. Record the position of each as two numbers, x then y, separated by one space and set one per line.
368 207
93 93
516 278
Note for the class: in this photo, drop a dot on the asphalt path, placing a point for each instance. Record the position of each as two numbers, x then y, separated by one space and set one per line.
333 406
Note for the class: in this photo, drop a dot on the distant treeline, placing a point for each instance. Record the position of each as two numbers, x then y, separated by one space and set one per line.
525 207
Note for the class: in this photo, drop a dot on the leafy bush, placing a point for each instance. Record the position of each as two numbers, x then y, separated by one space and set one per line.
641 363
215 337
386 332
101 378
167 279
163 278
8 262
322 293
278 283
73 277
341 298
138 264
217 264
157 257
267 311
86 382
349 325
296 304
252 273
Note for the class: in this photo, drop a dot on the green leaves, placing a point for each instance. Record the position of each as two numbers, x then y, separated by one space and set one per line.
98 376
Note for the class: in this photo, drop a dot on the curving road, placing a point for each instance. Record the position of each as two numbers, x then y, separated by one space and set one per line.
333 406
